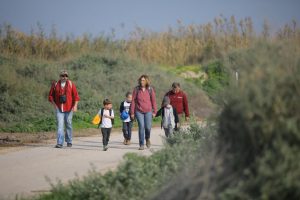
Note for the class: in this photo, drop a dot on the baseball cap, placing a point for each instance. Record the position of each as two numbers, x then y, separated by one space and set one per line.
63 72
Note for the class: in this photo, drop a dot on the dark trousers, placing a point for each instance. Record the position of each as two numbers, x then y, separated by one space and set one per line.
105 135
169 131
127 127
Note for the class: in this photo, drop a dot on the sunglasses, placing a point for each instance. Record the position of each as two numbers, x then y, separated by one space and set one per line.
64 75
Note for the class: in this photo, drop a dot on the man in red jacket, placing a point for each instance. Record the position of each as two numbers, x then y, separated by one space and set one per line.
64 97
178 100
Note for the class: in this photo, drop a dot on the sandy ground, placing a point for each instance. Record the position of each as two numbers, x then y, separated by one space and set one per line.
24 169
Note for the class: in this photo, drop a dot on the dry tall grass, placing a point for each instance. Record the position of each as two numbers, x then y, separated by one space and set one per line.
184 44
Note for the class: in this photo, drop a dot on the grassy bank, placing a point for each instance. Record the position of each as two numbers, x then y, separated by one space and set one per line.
25 84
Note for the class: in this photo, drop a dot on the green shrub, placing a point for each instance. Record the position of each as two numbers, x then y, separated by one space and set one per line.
218 78
256 155
260 126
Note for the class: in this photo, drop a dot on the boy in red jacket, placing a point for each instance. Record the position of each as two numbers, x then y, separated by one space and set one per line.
178 100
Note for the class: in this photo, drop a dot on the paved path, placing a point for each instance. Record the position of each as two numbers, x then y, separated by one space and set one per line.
23 170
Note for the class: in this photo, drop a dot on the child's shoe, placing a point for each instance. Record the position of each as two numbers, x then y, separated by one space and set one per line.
105 148
128 142
125 142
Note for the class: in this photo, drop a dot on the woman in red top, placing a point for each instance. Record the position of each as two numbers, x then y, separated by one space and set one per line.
143 107
64 97
178 100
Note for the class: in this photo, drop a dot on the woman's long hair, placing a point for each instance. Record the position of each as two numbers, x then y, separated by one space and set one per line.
146 77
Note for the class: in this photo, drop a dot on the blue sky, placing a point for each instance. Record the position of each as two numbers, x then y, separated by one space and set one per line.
77 17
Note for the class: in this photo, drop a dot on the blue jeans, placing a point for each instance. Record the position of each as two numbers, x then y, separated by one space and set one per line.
145 123
64 119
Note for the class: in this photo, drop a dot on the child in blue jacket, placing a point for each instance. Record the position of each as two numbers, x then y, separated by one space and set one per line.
125 117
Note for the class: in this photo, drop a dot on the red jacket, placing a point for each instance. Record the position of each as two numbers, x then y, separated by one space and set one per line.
142 102
179 101
71 93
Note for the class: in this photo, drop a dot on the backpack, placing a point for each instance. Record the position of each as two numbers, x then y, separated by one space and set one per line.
112 120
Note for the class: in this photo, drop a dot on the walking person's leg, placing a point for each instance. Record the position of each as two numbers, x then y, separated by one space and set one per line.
60 128
166 132
148 125
104 138
108 131
178 125
129 131
124 129
141 123
171 130
69 130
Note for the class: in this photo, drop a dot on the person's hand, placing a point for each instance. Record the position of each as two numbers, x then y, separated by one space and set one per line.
153 115
187 119
132 117
54 105
75 108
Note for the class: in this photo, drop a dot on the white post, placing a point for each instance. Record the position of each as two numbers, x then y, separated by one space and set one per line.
236 76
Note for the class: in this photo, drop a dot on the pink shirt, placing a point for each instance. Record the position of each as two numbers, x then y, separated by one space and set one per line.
142 102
